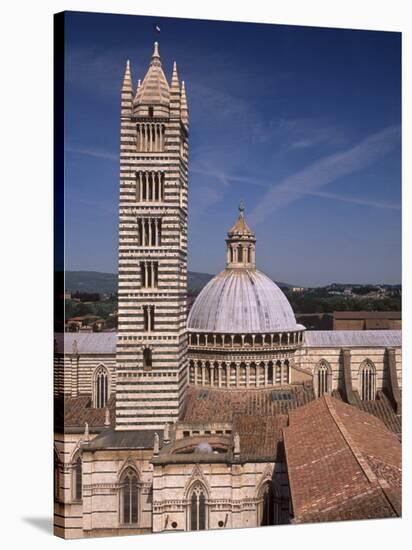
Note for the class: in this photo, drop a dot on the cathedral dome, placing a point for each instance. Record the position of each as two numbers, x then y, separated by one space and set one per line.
242 301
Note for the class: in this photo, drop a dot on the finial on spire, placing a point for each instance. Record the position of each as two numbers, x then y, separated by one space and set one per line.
241 207
127 79
156 50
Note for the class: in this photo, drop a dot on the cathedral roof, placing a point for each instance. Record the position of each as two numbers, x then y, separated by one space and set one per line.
242 301
353 338
342 463
154 89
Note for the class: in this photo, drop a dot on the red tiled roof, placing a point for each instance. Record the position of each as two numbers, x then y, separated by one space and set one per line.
342 463
76 411
219 405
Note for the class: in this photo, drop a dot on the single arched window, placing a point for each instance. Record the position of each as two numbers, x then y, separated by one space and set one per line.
367 376
150 111
129 497
101 388
147 358
270 505
323 375
77 477
198 508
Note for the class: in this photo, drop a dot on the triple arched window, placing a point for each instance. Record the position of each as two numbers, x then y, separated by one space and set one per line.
367 375
197 515
323 376
101 387
129 497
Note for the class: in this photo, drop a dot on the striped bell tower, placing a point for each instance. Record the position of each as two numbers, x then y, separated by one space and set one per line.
152 337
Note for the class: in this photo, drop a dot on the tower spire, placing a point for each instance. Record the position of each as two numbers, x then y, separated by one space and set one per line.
127 91
241 243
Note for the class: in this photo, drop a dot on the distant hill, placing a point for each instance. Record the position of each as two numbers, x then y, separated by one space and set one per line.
95 281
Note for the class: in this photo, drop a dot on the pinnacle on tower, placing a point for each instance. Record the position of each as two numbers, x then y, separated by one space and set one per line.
127 91
156 50
174 84
127 79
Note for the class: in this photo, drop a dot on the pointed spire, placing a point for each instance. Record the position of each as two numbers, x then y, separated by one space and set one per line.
174 84
127 92
183 104
127 79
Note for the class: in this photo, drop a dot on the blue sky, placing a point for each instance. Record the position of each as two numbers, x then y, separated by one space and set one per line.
301 123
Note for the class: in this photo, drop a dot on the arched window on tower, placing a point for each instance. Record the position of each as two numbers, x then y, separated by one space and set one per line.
269 505
197 513
150 111
129 497
147 358
101 387
77 477
323 378
367 379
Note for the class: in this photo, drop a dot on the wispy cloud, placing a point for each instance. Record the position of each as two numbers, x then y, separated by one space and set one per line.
354 200
92 152
325 171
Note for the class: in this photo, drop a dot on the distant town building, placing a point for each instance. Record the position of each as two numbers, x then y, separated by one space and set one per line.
367 320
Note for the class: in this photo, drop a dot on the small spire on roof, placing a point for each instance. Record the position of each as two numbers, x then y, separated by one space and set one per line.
107 417
86 436
156 444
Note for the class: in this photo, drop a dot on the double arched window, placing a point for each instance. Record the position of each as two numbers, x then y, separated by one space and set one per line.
101 387
323 377
367 381
197 513
129 491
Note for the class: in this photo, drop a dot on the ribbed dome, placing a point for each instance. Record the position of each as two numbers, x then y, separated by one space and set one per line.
242 301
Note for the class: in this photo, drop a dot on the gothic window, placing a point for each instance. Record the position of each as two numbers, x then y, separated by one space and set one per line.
149 274
129 497
269 505
198 509
323 378
101 389
148 318
77 477
240 254
149 232
367 376
147 358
